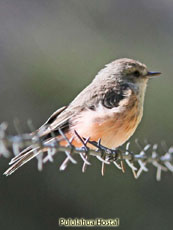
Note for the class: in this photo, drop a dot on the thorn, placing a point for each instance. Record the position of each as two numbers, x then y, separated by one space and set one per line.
40 161
117 165
169 166
102 160
70 157
103 169
30 125
134 174
64 164
131 165
84 159
122 166
17 126
138 144
64 136
84 167
82 140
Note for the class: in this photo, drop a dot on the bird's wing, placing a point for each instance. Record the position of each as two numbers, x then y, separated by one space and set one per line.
59 119
55 120
44 130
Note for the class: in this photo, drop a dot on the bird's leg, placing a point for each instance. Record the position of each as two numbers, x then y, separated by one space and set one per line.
111 154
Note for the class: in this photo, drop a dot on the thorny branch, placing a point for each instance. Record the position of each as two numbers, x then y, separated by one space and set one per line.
137 162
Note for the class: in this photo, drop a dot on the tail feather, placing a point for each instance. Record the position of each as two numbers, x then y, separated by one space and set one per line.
45 134
20 155
25 156
22 160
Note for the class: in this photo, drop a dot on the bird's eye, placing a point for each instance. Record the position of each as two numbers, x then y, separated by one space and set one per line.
136 73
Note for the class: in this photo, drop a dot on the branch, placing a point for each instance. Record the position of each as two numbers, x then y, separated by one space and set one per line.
137 162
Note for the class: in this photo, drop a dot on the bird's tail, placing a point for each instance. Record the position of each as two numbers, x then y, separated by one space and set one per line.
30 152
21 159
27 154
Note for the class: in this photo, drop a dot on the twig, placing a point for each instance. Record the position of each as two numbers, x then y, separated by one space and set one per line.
137 162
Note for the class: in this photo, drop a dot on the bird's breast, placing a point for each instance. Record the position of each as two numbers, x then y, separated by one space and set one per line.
113 126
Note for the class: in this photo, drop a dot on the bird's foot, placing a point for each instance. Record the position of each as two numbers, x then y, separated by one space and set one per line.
110 154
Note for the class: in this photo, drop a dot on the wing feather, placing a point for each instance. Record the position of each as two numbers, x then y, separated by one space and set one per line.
30 152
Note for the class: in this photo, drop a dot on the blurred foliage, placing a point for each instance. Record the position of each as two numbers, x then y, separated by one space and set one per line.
49 51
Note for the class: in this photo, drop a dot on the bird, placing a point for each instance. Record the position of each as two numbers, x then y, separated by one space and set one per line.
109 109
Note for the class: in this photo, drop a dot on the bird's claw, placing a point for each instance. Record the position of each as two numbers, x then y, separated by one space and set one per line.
111 154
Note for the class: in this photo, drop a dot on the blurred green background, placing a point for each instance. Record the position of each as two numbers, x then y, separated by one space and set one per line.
49 51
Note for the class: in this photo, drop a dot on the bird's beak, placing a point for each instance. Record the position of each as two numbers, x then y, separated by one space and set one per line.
153 74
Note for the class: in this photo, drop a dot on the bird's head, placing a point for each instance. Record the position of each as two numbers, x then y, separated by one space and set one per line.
132 71
126 71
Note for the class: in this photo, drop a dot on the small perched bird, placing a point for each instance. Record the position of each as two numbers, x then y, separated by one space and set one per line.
109 108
